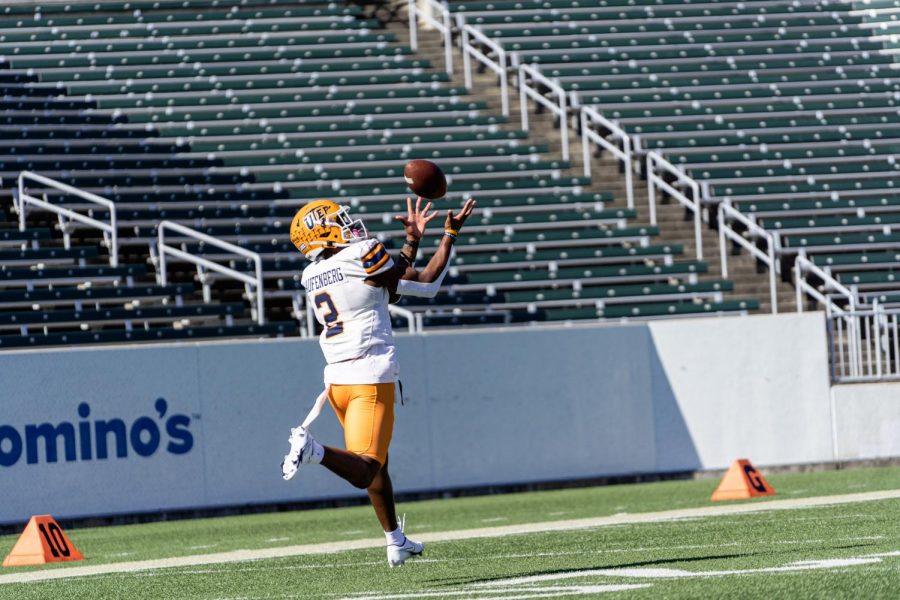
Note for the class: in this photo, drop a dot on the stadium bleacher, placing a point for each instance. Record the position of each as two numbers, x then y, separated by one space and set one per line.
225 116
785 110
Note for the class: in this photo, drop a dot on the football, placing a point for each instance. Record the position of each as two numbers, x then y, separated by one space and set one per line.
425 179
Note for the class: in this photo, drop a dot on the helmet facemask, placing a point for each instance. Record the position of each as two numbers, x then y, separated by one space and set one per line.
352 230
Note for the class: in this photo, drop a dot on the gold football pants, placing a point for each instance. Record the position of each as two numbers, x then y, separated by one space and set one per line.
366 413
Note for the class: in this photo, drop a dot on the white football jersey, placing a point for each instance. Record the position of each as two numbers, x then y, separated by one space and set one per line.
356 339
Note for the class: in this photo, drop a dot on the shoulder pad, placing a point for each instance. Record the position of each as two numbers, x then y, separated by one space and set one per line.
375 258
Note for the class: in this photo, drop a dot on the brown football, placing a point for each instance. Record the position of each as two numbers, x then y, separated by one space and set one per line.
425 179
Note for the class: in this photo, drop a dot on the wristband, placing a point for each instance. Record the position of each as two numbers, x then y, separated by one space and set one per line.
410 242
450 235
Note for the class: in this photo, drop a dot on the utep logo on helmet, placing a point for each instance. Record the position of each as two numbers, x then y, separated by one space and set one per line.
99 439
314 217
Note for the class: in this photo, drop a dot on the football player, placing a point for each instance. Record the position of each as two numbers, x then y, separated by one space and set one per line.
350 282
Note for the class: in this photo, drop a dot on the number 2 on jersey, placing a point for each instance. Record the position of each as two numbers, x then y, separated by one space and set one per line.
333 327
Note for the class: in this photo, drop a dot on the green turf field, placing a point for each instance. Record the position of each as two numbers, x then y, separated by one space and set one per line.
827 551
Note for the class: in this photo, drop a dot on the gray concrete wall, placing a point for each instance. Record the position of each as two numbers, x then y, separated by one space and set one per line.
482 407
754 386
867 423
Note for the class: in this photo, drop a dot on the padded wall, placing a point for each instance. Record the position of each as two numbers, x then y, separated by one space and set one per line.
481 407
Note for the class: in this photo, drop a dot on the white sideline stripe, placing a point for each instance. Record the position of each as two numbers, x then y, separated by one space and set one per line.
656 573
519 593
419 561
529 586
446 536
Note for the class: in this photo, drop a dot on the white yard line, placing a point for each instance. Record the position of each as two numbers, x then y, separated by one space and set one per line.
656 573
630 550
544 585
517 592
446 536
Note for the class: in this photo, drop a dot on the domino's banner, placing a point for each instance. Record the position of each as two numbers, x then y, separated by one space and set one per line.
141 429
148 428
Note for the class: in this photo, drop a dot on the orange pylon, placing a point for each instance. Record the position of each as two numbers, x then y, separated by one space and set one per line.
43 541
742 480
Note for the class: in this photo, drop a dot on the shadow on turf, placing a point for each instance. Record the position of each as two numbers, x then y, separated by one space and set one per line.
643 563
849 546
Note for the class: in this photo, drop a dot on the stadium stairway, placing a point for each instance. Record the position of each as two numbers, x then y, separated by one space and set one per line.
786 110
675 223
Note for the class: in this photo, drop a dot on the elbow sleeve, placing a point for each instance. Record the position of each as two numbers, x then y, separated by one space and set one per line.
420 289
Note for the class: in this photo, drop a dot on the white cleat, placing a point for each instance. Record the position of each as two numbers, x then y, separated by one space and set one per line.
301 452
397 555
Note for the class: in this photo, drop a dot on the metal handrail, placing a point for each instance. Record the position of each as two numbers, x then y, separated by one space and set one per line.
303 312
872 341
424 15
310 320
844 319
802 268
655 161
499 66
558 108
590 115
65 215
413 319
726 231
203 263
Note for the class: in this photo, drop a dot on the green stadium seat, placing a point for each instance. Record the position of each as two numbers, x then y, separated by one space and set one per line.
228 116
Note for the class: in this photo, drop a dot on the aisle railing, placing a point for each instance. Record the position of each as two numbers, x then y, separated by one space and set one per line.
22 200
432 15
253 283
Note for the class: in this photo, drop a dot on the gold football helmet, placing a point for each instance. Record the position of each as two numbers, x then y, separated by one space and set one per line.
324 224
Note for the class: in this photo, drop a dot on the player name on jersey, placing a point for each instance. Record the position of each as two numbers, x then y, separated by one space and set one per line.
353 313
323 279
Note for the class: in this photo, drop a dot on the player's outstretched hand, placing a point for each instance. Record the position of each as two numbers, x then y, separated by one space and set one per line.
416 219
456 221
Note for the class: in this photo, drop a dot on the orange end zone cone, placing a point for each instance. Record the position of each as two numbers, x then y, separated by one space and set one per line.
742 480
43 541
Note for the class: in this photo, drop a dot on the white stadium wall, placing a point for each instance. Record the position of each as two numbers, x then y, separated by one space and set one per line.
867 420
755 386
205 425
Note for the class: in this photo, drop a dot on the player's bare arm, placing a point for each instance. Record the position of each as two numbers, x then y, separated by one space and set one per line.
452 226
415 223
